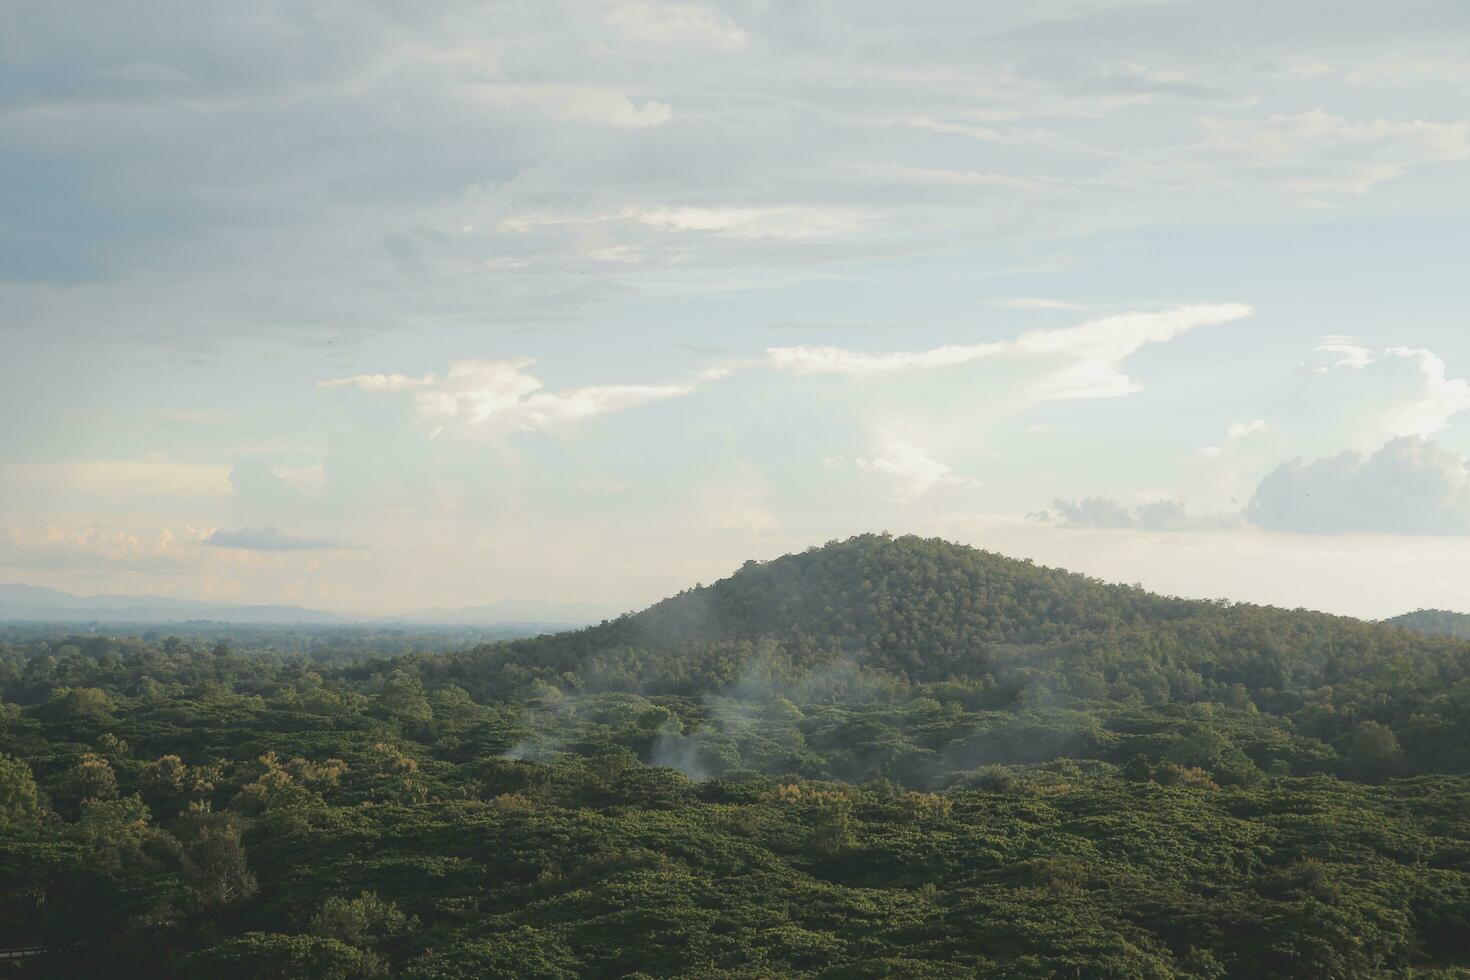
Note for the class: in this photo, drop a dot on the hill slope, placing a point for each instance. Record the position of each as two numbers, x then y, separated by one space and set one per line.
1434 622
925 610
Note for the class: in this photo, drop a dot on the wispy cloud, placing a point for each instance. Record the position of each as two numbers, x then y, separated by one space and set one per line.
821 359
269 539
502 395
756 222
773 221
95 547
379 382
590 104
680 25
1083 361
1109 514
1234 434
1090 353
1097 348
1426 397
1318 152
911 469
1041 303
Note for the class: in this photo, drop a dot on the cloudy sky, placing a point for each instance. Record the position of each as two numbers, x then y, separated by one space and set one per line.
375 306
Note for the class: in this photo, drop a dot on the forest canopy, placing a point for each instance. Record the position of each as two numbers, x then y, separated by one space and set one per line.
884 757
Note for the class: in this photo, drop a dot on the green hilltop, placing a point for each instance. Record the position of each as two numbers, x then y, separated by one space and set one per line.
903 613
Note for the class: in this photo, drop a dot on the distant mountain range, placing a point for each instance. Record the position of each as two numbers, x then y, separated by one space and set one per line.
509 611
29 603
35 604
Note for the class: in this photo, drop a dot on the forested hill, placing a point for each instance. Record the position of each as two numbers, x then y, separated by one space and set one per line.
1434 622
882 758
876 592
925 610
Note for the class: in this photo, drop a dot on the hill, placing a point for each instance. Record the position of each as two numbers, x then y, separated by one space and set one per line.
887 757
926 610
1434 622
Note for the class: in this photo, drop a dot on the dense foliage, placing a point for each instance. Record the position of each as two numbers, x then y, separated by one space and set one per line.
1434 622
883 758
321 644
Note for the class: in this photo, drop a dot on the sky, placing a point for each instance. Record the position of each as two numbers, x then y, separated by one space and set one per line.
377 307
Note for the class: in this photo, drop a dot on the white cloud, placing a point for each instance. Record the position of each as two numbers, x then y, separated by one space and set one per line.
1443 397
1239 430
1408 486
1358 179
1346 396
1091 513
505 263
1038 303
96 547
672 24
473 392
774 222
501 396
550 408
1350 354
720 372
1097 348
1236 432
1405 390
756 222
1090 353
379 382
1106 513
589 104
627 254
818 359
913 471
1319 152
530 221
1283 137
957 178
1115 337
